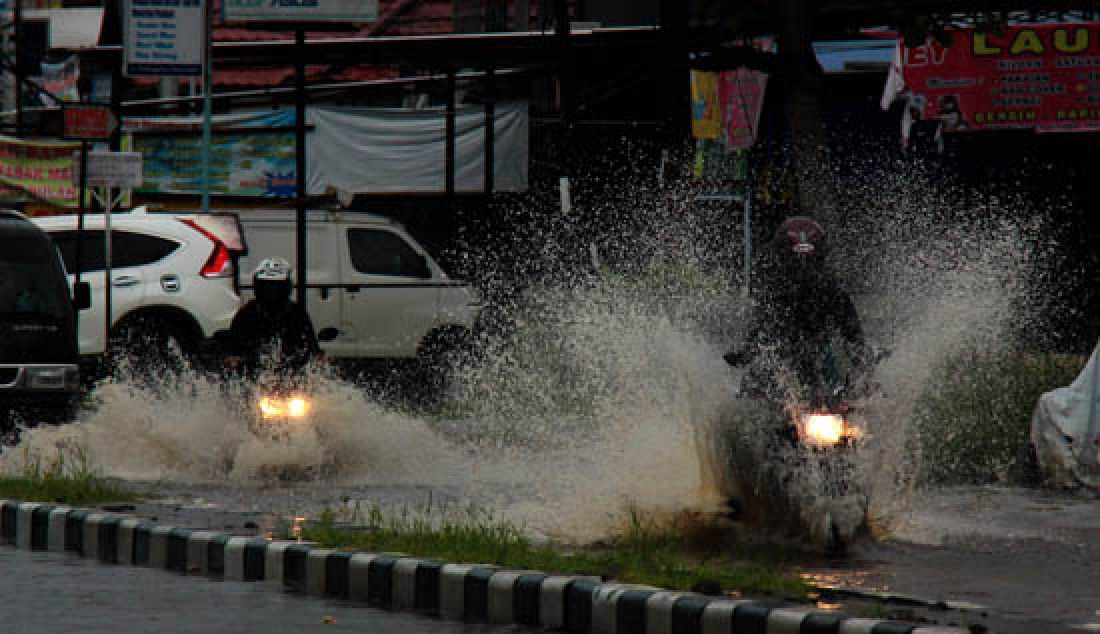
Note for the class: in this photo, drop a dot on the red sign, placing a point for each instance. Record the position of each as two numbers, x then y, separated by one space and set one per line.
1044 77
89 122
741 96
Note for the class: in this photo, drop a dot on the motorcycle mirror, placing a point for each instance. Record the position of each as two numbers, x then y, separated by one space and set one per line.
328 334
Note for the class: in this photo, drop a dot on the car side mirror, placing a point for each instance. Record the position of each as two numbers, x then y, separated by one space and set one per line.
82 296
328 334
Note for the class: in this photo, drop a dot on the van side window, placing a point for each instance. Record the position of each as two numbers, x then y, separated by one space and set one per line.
130 249
384 253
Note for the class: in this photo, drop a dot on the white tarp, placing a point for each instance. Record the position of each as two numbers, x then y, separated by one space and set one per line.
388 150
70 29
1065 431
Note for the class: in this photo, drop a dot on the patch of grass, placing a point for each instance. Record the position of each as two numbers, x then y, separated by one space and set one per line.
66 479
644 553
974 420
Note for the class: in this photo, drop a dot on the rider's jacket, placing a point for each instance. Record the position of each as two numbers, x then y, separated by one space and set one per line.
257 334
795 316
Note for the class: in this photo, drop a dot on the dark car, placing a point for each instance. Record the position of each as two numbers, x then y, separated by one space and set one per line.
38 351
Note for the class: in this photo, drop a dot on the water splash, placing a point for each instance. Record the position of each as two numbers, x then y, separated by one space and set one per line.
603 389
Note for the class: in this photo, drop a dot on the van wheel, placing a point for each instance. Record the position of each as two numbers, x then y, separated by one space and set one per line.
149 347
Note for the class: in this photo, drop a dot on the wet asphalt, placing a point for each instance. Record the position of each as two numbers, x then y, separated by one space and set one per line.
1018 560
58 593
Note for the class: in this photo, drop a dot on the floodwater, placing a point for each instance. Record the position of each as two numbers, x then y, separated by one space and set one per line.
599 397
1027 557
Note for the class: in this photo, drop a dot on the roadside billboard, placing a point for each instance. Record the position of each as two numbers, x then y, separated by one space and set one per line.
164 38
37 171
293 11
252 154
1042 77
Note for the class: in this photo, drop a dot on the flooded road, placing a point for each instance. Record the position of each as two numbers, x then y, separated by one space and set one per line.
1017 553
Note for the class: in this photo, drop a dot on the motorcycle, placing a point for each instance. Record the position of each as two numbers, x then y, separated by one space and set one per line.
277 400
801 464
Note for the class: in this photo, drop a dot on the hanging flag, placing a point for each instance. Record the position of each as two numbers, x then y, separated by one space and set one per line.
706 113
741 95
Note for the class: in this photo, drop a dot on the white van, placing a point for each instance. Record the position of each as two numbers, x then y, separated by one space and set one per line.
368 278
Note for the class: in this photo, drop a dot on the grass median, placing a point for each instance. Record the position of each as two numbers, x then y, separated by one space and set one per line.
65 479
643 553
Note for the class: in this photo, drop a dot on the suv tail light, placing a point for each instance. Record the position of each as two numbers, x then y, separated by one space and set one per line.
220 262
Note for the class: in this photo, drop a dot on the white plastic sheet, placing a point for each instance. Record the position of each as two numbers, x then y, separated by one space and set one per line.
1065 431
384 150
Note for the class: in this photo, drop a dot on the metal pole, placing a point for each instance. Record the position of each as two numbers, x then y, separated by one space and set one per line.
748 240
300 160
18 37
449 176
207 107
108 282
523 15
490 131
1094 393
80 228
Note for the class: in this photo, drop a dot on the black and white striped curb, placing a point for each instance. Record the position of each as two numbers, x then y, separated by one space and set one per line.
470 593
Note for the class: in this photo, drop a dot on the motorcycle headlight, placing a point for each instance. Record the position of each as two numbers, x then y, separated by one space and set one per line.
271 407
828 430
297 407
824 430
293 407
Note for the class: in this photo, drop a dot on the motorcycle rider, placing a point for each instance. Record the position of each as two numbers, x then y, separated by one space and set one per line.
271 327
798 307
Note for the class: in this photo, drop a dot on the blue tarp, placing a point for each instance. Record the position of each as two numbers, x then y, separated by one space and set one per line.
837 56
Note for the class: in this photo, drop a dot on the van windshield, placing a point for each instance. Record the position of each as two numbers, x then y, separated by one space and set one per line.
31 283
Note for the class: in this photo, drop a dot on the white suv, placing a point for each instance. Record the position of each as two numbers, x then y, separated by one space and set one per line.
172 277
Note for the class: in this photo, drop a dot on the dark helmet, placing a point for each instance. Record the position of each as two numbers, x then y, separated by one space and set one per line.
800 245
272 282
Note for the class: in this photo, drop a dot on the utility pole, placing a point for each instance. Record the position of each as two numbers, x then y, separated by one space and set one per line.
300 164
18 39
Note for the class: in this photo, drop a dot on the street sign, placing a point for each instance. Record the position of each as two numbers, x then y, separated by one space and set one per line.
112 169
301 10
164 38
89 123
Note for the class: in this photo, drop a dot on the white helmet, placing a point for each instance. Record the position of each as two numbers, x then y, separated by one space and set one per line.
273 270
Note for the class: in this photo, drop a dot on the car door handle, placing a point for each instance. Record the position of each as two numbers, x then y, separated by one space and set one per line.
123 281
352 289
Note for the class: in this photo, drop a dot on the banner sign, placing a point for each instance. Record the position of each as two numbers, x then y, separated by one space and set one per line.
61 80
88 122
301 10
741 95
110 169
242 163
165 37
37 171
1043 77
726 106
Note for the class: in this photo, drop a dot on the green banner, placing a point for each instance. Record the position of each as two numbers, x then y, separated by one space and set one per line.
39 171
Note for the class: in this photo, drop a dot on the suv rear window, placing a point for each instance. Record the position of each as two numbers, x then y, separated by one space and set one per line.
384 253
128 249
31 282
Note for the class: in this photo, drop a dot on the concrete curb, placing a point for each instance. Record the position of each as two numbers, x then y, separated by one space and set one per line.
470 593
